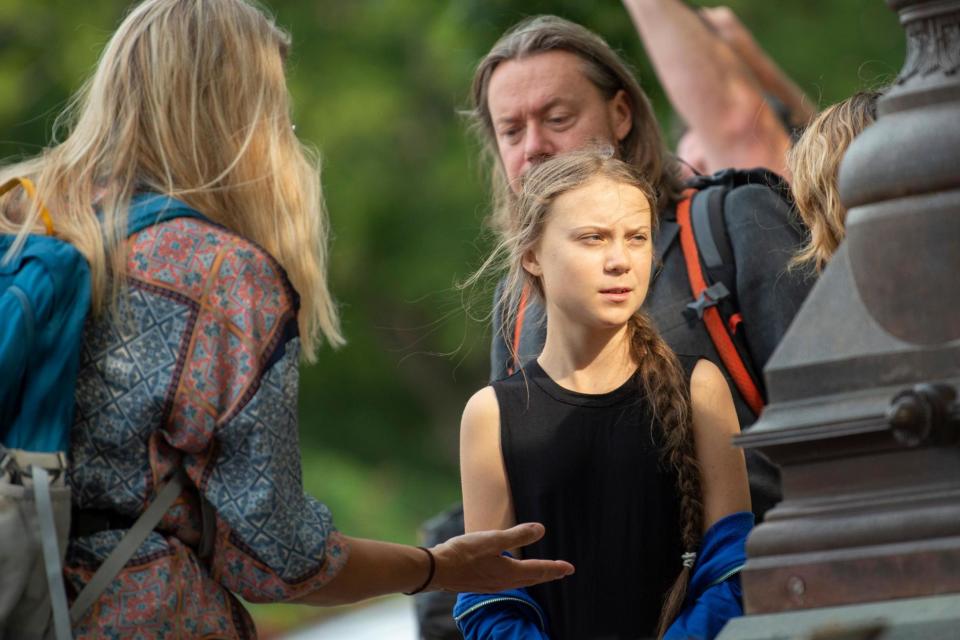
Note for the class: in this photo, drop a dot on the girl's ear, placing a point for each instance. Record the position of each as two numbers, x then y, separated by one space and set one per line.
531 264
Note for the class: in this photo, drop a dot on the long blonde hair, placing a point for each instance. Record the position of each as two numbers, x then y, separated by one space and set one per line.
662 375
643 146
188 99
814 163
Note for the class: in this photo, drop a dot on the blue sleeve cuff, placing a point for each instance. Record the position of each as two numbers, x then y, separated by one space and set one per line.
722 552
714 595
507 615
705 618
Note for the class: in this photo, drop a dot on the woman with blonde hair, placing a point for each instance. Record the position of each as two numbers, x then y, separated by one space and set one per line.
620 446
189 358
814 163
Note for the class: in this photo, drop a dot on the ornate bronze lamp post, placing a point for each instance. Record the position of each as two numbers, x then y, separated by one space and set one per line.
864 417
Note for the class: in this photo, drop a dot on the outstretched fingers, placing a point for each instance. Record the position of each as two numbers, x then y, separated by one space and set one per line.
526 573
473 562
517 536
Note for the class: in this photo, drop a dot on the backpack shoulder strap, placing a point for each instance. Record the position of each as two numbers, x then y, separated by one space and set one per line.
705 302
148 209
127 546
709 228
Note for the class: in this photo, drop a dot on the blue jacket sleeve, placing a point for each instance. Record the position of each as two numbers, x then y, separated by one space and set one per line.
507 615
714 595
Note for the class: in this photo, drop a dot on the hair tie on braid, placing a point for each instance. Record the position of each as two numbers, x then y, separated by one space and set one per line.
689 558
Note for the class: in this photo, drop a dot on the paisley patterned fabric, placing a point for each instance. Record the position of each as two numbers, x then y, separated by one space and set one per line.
197 369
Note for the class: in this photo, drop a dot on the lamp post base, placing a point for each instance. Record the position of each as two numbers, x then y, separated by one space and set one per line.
931 618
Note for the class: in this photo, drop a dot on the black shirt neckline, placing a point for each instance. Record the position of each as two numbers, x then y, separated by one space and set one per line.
625 392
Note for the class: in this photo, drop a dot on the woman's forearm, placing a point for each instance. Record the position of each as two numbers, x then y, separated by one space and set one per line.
470 562
373 569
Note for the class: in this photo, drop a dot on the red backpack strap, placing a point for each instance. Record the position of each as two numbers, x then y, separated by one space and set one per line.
517 330
712 319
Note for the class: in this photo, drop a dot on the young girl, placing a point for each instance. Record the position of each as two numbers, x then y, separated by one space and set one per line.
620 447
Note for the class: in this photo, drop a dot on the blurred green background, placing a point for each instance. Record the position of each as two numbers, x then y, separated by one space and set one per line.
377 85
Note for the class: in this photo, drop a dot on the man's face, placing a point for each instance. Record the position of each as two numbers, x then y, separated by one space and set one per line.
544 104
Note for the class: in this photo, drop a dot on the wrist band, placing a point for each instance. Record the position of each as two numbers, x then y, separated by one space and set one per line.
433 569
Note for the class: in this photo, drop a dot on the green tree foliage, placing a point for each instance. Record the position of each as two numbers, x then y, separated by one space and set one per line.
377 85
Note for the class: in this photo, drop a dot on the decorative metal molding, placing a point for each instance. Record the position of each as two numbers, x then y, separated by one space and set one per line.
933 45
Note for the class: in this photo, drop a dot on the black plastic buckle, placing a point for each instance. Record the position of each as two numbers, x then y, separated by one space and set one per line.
709 297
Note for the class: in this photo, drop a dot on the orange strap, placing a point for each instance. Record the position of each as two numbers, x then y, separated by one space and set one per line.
518 328
31 190
711 315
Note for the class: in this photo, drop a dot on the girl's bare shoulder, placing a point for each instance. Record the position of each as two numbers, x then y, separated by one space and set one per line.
710 397
707 378
481 409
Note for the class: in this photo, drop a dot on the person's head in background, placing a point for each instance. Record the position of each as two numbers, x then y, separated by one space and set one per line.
551 86
814 162
189 99
692 157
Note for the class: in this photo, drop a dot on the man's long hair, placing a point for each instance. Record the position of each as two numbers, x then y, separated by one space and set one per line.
642 147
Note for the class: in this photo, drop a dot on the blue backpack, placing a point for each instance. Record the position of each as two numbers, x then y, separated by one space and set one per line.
44 303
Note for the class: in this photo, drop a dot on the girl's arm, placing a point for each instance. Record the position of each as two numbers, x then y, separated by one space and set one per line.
713 594
487 503
722 465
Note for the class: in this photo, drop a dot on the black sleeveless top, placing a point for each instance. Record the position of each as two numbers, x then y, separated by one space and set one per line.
588 466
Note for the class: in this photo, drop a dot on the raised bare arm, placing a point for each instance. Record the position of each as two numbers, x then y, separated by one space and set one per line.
710 87
768 73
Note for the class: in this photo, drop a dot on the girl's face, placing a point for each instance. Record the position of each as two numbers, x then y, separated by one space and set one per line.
595 255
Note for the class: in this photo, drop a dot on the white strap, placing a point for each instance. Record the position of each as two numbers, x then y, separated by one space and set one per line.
51 552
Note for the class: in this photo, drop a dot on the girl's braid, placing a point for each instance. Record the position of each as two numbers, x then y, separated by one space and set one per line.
666 388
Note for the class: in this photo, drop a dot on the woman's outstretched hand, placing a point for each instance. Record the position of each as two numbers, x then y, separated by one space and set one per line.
473 562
